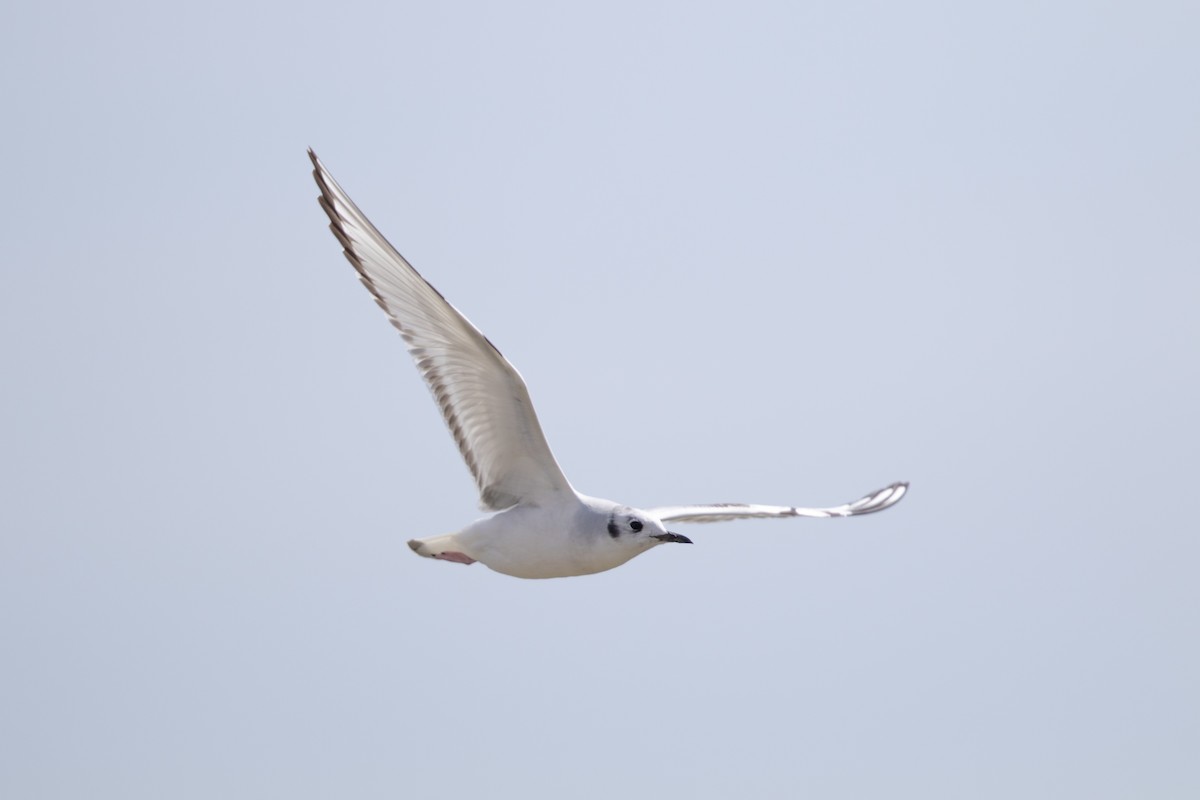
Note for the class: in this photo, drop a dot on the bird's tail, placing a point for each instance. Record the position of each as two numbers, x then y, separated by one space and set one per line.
444 548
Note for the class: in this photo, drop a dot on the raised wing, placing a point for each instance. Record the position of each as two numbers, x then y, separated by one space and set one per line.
482 397
721 512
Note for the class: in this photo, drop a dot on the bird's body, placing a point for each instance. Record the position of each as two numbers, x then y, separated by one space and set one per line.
571 537
542 527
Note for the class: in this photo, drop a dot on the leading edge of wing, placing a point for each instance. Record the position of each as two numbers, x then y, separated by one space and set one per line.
878 500
482 397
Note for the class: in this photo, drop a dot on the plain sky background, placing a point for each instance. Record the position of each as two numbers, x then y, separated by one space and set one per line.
764 252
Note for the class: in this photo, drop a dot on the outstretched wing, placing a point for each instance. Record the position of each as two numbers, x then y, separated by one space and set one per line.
721 512
482 397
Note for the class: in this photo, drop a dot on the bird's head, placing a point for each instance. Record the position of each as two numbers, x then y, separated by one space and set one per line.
629 526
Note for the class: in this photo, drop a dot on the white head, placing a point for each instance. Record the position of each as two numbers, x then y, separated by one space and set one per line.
637 529
612 534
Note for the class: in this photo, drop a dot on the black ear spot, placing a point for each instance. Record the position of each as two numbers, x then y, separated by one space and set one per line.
636 524
613 530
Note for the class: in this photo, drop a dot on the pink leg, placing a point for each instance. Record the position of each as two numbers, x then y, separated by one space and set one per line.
457 558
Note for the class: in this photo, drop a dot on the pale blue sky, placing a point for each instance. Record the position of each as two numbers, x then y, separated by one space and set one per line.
780 253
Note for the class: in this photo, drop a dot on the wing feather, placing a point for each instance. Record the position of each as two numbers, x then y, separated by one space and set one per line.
481 396
722 512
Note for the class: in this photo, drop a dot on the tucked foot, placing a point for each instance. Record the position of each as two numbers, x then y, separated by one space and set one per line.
457 558
424 548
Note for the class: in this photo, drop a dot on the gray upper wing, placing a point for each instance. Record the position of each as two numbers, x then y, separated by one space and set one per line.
482 397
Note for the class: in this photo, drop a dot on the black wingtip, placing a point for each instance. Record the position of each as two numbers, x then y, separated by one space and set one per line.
318 167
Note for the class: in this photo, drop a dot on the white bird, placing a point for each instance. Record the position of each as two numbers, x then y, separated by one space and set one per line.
543 528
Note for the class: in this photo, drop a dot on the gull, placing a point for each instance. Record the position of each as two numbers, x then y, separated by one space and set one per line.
542 527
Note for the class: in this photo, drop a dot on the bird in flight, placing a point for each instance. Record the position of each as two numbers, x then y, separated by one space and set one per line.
542 527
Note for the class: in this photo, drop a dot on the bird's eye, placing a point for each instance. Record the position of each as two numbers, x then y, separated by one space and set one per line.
635 524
